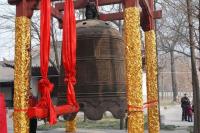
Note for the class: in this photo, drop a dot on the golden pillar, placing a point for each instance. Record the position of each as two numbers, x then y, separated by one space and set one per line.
21 75
134 70
71 126
152 88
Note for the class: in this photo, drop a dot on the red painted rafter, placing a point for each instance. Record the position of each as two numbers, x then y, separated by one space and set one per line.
111 16
120 16
146 15
55 13
146 7
15 2
82 3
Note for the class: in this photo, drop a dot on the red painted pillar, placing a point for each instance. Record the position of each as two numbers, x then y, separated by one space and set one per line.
3 123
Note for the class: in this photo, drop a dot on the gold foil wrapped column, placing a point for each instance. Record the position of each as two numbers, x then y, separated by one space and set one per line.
71 126
152 89
134 70
21 74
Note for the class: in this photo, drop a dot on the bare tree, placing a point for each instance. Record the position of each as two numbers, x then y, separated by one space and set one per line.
170 40
195 81
173 35
7 17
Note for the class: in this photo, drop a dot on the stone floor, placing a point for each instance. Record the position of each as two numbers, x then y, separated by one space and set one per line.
170 116
105 131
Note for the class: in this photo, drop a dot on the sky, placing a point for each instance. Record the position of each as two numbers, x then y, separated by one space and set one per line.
7 35
7 30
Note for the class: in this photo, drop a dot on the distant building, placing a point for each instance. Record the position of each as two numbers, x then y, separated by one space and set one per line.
7 77
6 83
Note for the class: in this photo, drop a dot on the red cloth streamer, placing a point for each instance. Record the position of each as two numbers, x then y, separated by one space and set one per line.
69 50
3 122
45 87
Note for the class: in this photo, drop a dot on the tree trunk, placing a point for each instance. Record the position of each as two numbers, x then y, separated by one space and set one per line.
195 81
173 75
199 32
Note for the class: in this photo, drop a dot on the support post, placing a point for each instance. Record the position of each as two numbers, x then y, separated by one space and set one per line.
71 126
133 67
21 74
151 71
22 68
152 88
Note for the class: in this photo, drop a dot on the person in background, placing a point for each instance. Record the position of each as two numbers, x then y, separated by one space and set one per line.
189 113
184 103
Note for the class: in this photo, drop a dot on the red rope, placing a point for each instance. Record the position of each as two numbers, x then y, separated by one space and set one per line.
145 105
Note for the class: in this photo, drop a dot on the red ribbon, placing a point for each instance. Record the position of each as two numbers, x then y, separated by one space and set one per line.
45 87
69 50
44 36
20 110
145 105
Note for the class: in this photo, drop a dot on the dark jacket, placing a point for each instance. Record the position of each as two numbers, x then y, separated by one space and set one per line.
185 102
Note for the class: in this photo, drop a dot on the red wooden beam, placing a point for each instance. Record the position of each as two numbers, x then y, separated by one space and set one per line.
157 14
15 2
146 7
111 16
55 13
82 3
120 16
130 3
146 18
12 2
25 8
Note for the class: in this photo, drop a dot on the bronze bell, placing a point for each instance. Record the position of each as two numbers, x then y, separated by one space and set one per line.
101 84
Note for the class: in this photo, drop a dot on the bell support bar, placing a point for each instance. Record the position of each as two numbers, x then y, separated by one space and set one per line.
59 7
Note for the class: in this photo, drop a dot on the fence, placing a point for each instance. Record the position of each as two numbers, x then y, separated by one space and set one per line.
164 95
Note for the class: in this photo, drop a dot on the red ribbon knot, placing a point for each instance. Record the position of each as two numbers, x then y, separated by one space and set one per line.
70 79
44 83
